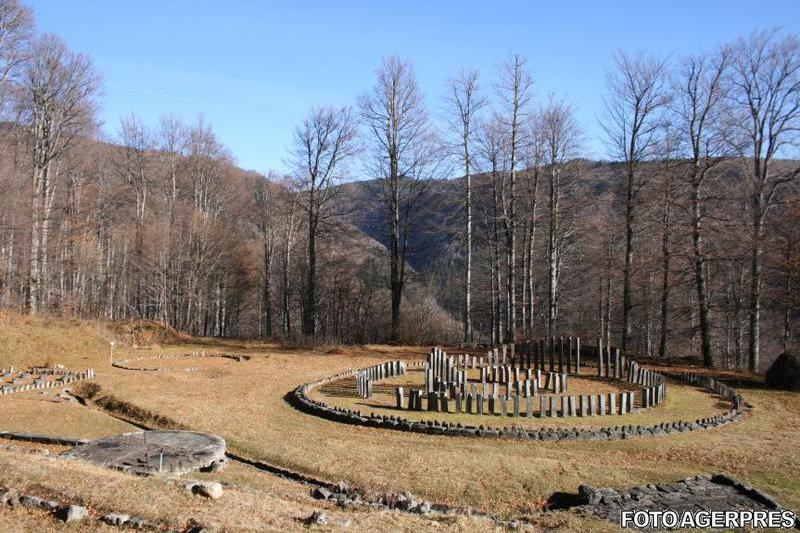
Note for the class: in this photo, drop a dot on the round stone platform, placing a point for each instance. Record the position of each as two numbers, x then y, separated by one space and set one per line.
154 452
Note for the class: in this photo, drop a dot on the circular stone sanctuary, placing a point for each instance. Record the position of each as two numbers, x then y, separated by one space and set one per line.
555 379
154 452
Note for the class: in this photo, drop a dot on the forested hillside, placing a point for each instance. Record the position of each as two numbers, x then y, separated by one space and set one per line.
478 220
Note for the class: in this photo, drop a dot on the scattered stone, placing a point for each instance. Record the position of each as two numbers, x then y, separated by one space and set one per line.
343 522
74 513
137 523
116 519
720 492
318 518
26 500
50 505
321 493
9 496
208 489
423 508
589 495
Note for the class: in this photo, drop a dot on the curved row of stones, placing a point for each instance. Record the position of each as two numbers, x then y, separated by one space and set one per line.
13 380
125 363
515 374
299 397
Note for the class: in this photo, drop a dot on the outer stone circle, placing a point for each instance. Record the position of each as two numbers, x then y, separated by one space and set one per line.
154 452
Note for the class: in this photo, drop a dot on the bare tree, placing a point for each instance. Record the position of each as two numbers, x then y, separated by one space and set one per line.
634 96
766 94
16 30
493 145
699 94
515 90
561 136
534 161
58 104
403 146
322 146
289 221
265 223
466 101
136 145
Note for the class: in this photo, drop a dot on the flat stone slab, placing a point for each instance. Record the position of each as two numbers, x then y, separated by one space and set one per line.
154 452
719 492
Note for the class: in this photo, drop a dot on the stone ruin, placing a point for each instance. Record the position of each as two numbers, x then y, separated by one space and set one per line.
126 364
13 380
155 452
365 377
531 379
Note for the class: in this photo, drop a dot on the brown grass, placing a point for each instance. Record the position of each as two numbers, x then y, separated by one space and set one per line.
245 403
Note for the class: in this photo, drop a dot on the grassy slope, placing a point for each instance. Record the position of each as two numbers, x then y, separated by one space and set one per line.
245 403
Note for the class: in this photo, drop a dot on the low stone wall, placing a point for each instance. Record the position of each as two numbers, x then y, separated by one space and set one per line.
125 363
41 439
300 399
39 378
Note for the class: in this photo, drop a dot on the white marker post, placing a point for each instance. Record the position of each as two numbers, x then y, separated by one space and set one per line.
111 360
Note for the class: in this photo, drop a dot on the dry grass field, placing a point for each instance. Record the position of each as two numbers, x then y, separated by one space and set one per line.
244 402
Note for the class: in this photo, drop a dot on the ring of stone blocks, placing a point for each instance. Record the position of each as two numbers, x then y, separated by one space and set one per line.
124 363
299 398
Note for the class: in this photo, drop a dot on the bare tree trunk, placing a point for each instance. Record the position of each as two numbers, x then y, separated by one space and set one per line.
468 243
553 252
755 287
666 254
627 290
700 277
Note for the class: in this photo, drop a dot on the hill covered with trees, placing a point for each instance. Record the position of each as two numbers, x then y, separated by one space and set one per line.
685 243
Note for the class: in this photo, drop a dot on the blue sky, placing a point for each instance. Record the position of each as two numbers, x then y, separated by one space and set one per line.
254 68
